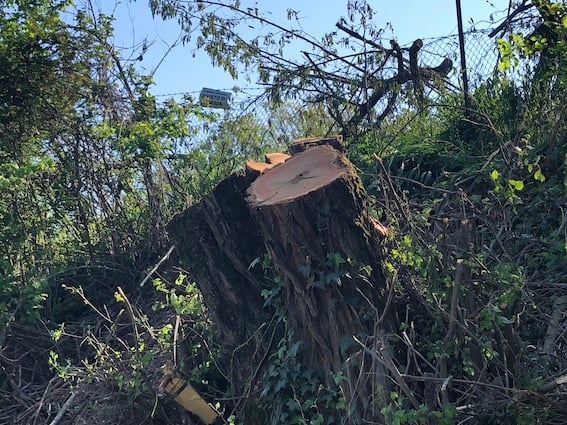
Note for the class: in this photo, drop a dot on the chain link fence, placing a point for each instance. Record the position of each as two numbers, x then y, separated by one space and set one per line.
481 55
481 62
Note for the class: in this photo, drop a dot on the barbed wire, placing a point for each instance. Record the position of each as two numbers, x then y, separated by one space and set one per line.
480 50
242 93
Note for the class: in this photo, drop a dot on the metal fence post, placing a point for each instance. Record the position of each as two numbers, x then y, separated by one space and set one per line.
464 76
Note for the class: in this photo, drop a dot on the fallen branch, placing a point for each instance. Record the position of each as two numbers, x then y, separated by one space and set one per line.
159 263
64 408
550 386
387 361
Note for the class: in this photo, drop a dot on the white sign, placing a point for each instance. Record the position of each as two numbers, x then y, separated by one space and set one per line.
214 98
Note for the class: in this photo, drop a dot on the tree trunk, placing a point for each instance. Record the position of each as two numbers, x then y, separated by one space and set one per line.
310 215
216 241
313 219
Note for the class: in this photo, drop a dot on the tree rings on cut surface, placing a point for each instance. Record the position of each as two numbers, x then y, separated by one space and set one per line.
303 173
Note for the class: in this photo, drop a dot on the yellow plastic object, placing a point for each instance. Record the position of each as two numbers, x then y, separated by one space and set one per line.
189 398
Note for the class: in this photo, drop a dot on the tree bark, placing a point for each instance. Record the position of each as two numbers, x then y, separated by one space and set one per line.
216 241
310 215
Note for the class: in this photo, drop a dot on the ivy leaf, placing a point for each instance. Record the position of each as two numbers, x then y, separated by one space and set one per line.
516 184
538 175
494 175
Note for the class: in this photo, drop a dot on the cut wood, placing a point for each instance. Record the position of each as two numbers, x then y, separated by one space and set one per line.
303 173
276 158
258 167
255 168
186 396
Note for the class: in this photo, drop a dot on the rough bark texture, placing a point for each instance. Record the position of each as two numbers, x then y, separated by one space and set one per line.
301 145
310 214
216 242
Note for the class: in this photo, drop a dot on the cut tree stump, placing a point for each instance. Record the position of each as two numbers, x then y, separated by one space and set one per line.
216 242
311 210
310 214
255 168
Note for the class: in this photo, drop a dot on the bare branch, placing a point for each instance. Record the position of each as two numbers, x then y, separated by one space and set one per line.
357 36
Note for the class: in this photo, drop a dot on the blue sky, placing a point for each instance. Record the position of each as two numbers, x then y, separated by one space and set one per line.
184 70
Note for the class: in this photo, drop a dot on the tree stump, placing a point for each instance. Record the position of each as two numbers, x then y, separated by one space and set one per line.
310 214
313 218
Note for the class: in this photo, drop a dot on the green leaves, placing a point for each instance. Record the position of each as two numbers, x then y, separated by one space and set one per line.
538 175
517 185
92 165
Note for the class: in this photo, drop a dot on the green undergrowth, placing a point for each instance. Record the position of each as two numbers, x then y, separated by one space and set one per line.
476 255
